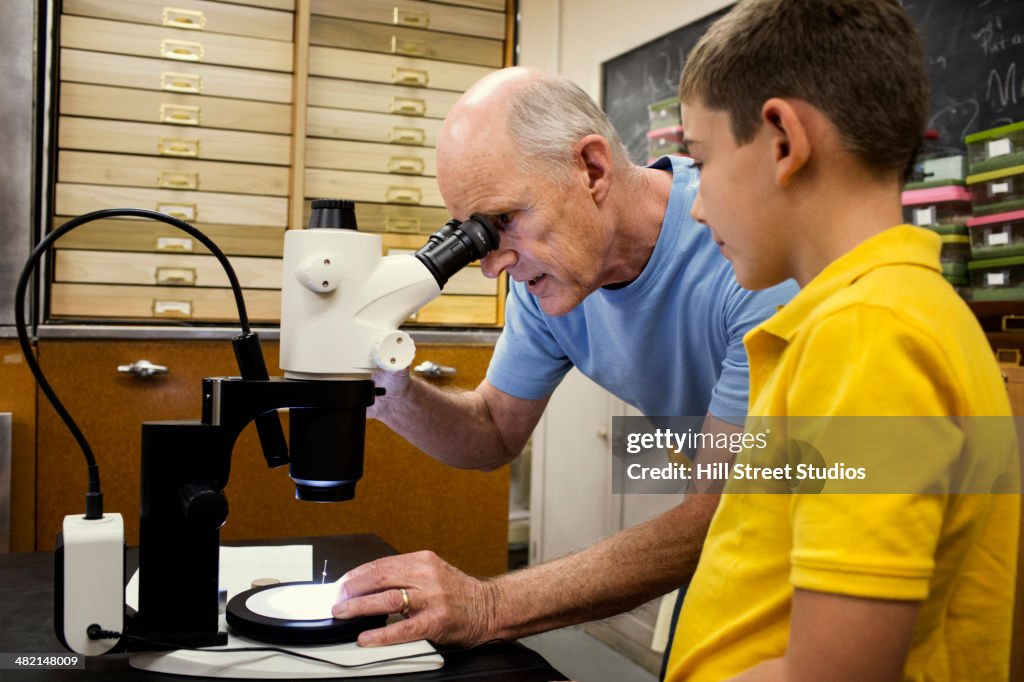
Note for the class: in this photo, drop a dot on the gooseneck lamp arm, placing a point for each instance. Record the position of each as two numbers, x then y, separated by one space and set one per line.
94 496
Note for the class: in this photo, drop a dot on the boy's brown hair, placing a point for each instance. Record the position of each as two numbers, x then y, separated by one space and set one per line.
858 61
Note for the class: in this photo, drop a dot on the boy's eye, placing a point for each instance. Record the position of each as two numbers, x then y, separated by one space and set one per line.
698 165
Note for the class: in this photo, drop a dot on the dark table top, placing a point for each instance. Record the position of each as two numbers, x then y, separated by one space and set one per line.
26 623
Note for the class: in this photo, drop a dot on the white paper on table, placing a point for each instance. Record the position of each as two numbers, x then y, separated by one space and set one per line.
239 566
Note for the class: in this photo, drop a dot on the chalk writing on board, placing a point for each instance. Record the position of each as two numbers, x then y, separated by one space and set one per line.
975 61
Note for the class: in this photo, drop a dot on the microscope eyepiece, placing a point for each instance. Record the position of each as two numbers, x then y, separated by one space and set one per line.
456 245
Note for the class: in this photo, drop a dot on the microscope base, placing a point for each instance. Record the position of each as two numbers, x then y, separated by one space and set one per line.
267 665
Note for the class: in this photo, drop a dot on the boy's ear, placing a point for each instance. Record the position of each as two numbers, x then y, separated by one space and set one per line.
790 140
595 154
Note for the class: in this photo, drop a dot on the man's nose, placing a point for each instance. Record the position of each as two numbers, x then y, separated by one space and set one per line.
697 210
497 261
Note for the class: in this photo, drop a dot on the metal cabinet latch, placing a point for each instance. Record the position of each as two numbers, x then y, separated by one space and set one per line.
433 370
142 368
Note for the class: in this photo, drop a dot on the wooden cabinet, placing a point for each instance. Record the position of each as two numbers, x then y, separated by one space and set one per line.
232 116
186 110
19 398
382 77
404 496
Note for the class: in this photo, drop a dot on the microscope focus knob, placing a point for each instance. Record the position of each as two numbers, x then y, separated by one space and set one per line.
320 273
204 505
394 351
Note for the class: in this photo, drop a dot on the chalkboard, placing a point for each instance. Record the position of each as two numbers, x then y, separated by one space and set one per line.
974 48
644 75
975 51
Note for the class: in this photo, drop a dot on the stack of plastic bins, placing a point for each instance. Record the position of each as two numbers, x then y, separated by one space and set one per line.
665 132
997 248
946 210
996 159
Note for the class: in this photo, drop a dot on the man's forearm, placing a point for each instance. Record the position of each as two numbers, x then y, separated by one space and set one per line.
452 426
615 575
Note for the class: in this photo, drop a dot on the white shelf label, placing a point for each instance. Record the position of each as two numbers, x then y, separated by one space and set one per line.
999 148
1000 187
995 279
924 216
998 238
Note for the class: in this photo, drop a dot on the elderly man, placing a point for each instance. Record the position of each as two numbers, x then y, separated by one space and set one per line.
610 275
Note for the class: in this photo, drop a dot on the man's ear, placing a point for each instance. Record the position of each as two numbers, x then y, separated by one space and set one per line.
791 144
595 155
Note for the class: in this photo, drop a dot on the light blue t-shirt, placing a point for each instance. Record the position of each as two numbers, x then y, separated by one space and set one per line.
670 343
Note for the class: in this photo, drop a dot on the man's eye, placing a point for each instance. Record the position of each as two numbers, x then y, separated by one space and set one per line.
503 219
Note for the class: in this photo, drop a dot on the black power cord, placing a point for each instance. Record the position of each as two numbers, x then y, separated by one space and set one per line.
94 496
96 632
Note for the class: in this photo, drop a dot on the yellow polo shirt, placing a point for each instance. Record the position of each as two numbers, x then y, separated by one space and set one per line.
877 332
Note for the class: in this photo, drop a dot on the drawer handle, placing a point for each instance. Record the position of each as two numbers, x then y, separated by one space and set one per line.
403 135
401 224
179 114
181 82
176 276
174 244
404 195
174 17
178 180
409 165
410 106
408 47
142 368
408 17
177 309
403 75
434 370
181 50
179 211
178 146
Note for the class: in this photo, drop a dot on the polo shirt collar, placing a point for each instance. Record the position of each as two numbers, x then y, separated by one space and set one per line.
901 245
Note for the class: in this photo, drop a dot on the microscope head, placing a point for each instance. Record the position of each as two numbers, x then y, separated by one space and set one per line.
341 305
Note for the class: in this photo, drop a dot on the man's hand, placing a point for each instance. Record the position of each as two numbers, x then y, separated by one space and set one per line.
446 606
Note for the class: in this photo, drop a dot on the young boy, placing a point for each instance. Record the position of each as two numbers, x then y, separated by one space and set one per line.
804 115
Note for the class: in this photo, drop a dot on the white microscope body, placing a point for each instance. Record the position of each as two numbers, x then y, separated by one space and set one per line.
342 301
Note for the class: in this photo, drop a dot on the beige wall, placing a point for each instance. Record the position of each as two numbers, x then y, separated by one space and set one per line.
573 37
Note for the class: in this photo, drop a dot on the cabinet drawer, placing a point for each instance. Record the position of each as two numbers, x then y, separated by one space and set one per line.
100 101
102 68
409 42
199 16
95 134
377 187
168 173
122 267
459 310
435 16
496 5
178 47
229 209
379 98
114 301
396 70
360 125
126 234
368 156
421 220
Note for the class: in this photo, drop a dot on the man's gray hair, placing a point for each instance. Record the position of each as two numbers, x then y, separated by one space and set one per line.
548 116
